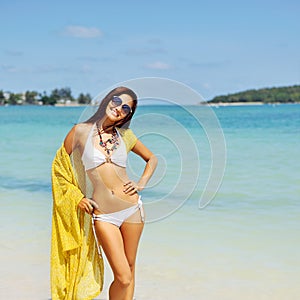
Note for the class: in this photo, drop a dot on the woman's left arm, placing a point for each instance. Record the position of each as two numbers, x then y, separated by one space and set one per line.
151 163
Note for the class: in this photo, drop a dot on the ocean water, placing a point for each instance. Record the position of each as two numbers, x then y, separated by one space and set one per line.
242 244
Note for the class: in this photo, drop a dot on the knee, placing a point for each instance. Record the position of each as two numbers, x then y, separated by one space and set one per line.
125 279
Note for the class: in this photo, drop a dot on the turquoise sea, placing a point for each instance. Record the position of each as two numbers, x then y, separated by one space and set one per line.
243 244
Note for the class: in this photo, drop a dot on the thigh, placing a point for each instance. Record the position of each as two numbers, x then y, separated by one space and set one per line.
131 233
111 241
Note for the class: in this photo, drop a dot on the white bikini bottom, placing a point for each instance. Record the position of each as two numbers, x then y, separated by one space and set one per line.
119 217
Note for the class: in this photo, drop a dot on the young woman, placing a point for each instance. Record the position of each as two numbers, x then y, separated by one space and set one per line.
101 190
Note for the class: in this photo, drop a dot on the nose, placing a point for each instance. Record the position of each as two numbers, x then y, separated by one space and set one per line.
118 107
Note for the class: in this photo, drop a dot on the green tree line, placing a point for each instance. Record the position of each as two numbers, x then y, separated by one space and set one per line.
289 94
58 95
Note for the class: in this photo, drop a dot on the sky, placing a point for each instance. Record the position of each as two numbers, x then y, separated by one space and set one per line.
214 47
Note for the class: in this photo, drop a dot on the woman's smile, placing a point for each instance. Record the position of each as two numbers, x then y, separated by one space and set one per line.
115 112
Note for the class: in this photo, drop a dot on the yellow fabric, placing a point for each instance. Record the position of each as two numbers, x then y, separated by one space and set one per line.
76 267
129 138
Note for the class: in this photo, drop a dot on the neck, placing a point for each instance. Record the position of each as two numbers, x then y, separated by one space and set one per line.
106 126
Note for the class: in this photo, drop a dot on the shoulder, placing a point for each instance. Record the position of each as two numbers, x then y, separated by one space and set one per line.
75 135
129 138
125 131
82 128
79 130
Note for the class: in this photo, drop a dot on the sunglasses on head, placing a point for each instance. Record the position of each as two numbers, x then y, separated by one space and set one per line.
117 101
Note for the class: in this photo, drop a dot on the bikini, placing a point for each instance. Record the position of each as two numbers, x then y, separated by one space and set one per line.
93 158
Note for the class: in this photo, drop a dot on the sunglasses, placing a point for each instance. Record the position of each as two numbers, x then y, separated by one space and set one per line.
117 101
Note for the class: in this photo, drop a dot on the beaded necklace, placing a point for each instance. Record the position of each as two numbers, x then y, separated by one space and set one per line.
113 141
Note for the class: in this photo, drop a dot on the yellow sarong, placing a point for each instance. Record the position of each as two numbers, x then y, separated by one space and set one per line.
77 269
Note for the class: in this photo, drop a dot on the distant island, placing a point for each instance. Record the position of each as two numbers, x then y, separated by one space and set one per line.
64 97
289 94
58 96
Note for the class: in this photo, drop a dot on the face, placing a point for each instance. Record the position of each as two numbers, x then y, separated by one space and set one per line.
117 110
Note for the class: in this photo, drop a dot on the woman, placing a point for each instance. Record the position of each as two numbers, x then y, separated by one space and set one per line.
94 157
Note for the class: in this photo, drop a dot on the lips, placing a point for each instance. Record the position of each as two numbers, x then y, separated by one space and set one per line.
114 112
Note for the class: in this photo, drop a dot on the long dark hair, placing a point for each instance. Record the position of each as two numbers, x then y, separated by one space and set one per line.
100 113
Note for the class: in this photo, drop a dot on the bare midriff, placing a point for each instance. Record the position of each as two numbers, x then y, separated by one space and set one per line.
108 188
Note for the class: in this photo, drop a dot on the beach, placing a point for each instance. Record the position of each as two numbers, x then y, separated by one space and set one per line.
243 245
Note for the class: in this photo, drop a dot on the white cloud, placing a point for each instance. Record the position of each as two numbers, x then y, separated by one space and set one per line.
49 68
9 68
82 32
145 51
209 64
206 85
158 65
13 52
86 68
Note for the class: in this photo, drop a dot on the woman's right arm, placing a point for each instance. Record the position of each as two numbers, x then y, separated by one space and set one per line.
69 141
70 144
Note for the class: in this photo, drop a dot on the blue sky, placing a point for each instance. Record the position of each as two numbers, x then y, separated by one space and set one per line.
215 47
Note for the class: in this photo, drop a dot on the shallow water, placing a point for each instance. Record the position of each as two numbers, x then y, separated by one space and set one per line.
243 245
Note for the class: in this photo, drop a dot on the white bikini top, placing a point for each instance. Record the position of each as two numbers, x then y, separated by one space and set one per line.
93 157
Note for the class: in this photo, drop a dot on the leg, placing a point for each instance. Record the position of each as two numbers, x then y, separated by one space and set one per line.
110 238
131 232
